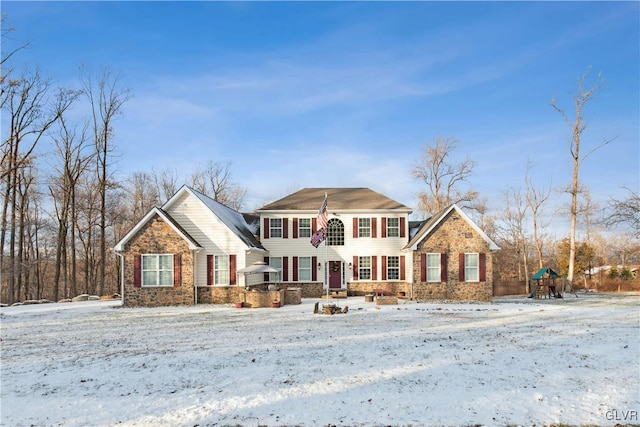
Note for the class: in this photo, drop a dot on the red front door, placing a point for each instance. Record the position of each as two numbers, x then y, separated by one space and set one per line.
335 274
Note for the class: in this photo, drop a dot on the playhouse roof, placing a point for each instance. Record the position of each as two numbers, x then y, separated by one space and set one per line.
545 270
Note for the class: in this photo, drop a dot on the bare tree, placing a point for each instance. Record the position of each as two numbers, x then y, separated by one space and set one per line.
216 180
512 228
536 197
31 112
626 212
143 194
443 177
74 158
582 97
166 182
106 99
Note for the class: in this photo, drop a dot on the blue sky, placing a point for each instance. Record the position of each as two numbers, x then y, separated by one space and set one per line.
311 94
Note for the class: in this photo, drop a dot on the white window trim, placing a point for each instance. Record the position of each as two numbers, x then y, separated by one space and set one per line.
278 276
395 268
362 228
216 269
307 228
395 227
361 268
301 269
438 278
272 228
157 270
477 267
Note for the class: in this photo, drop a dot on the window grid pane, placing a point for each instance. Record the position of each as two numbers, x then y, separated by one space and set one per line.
304 227
393 268
275 226
336 232
304 268
275 262
157 270
393 227
471 267
364 227
221 270
364 268
433 267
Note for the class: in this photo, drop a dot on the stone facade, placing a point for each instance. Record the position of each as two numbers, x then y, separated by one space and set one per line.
452 236
158 237
390 288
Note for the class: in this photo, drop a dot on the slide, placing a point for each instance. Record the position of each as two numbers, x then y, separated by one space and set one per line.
533 292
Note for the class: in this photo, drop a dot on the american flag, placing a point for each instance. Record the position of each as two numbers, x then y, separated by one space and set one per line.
317 238
323 217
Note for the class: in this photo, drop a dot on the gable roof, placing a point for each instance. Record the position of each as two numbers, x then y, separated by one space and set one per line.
429 225
310 199
232 219
193 244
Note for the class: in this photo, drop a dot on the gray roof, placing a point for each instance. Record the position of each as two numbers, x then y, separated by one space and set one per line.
309 199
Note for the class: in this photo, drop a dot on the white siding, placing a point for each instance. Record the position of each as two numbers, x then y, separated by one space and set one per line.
209 231
367 246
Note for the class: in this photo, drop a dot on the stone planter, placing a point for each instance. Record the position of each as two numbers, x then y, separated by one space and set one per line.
368 298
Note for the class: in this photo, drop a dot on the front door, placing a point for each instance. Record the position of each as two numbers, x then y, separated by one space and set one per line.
335 274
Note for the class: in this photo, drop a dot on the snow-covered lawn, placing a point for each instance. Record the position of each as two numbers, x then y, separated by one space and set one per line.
515 361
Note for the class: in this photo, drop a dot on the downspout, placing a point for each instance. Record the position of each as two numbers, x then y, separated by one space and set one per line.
121 275
195 275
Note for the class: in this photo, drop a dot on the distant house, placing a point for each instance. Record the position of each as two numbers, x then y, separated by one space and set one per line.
191 249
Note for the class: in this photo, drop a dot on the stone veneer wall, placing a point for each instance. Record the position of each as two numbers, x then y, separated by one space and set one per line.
231 294
453 236
364 288
158 237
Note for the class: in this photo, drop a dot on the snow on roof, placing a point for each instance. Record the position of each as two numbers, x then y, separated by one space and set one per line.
233 219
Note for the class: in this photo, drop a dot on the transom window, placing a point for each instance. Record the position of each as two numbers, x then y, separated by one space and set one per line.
364 268
275 227
393 227
221 270
393 267
304 268
157 270
304 227
433 268
471 267
335 236
364 227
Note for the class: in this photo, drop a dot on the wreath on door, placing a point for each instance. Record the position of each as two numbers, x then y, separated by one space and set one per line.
335 266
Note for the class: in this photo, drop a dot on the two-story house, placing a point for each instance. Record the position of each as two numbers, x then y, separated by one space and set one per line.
195 250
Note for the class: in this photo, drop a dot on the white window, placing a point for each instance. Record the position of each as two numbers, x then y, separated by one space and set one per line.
471 267
304 227
157 270
275 227
304 268
275 262
393 267
393 227
433 268
364 268
364 227
336 232
221 270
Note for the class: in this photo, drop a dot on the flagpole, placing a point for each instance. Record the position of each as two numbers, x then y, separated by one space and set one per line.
326 252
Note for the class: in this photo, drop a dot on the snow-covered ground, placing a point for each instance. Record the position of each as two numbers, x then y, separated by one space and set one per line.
515 361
